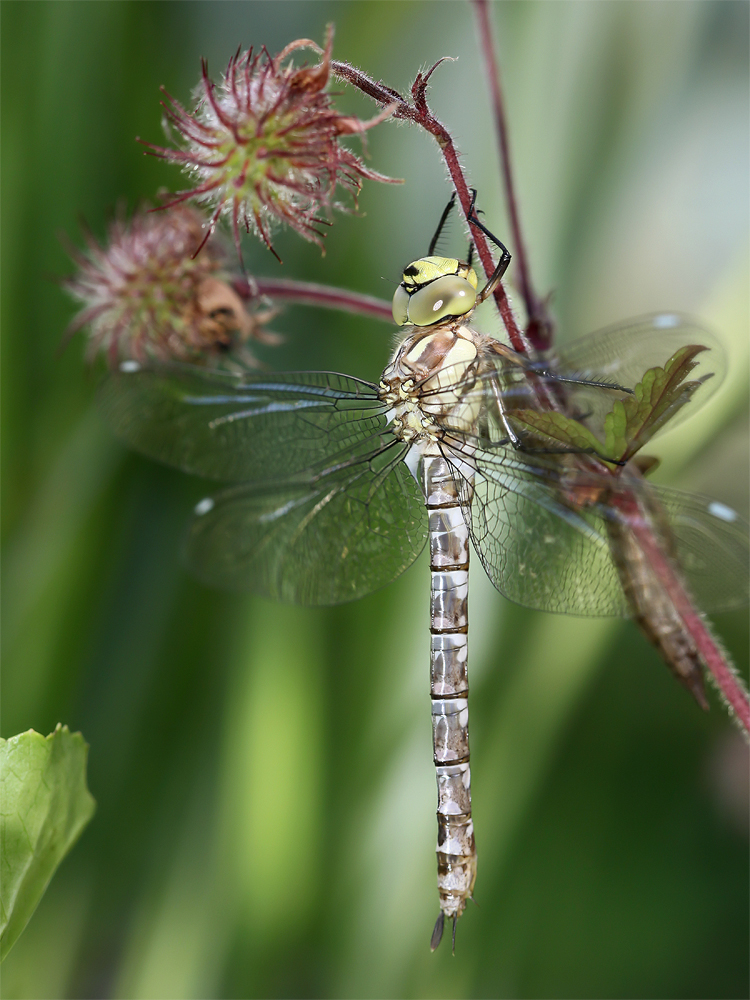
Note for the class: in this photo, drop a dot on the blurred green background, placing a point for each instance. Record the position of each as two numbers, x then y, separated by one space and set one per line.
266 794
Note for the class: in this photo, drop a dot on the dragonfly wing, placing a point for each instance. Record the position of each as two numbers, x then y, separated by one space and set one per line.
537 551
622 353
614 360
320 540
238 426
543 551
713 548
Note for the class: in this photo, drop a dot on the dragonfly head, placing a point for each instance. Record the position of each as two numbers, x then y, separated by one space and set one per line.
434 289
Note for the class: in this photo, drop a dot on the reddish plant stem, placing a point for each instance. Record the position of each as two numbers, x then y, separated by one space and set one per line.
419 113
539 332
728 683
540 326
310 294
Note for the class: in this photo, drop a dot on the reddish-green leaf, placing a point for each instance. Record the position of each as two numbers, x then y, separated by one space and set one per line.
556 429
632 422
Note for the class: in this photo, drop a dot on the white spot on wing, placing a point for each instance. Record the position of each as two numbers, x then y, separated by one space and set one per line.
204 506
721 511
129 367
666 321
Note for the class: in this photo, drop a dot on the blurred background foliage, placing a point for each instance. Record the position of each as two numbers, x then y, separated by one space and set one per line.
265 791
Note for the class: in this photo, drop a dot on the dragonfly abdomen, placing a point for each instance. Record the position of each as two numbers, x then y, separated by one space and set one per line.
449 688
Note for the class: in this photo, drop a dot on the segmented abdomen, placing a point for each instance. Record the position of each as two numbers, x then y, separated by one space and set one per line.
449 688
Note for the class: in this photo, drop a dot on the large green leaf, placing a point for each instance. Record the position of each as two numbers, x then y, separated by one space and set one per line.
44 806
655 400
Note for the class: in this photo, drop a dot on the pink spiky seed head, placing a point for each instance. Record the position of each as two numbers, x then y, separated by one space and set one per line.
146 293
263 146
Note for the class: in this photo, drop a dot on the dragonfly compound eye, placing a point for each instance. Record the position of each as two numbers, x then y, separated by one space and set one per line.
450 295
434 289
400 306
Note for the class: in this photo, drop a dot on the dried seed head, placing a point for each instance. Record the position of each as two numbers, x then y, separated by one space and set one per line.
146 293
264 144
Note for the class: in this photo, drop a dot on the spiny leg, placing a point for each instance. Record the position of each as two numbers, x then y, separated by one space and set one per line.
441 224
470 255
502 264
553 376
543 370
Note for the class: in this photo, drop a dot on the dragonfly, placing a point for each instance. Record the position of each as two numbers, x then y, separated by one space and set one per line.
336 484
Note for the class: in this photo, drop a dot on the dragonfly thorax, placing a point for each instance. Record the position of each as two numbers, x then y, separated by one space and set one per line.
428 379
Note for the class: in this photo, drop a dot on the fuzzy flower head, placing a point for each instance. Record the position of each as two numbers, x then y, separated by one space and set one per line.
264 144
146 293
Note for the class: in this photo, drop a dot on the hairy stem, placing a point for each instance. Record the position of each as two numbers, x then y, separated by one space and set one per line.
418 112
311 294
539 332
540 326
727 682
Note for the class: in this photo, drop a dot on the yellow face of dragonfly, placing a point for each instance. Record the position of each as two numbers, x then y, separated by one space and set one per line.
434 289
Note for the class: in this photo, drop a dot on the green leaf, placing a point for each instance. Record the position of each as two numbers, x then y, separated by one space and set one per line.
44 806
655 400
556 428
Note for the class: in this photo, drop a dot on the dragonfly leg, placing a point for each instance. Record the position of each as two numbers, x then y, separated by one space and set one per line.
514 438
443 219
502 264
543 370
529 450
553 376
470 255
519 445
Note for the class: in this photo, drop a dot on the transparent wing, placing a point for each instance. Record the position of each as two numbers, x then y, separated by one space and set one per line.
617 356
239 427
542 536
324 538
623 352
537 550
711 548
